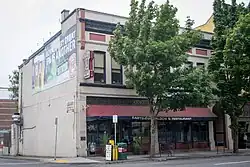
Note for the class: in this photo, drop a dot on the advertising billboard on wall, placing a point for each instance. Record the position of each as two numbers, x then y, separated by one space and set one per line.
56 63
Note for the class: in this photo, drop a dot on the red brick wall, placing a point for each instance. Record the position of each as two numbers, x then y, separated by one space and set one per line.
97 37
82 15
201 52
7 108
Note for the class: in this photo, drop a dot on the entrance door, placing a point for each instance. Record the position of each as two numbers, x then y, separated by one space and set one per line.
242 135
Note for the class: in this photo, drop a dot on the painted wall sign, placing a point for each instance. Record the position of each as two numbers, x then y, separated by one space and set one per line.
38 66
144 118
88 64
56 63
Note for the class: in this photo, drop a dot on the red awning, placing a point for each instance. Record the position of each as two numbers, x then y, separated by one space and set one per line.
143 111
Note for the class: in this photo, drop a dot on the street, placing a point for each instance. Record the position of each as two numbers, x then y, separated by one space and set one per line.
232 161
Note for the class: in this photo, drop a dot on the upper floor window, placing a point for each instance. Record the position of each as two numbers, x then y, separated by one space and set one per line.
246 110
202 65
99 67
116 72
189 64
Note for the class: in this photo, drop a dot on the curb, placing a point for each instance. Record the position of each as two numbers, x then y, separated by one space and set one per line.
175 158
21 158
72 163
123 161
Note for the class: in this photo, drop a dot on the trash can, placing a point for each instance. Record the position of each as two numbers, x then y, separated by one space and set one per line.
122 151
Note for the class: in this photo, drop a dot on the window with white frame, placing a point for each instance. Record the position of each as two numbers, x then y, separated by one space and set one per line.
202 65
116 72
99 67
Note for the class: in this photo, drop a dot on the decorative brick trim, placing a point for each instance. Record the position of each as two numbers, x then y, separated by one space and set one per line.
83 30
201 52
91 65
97 37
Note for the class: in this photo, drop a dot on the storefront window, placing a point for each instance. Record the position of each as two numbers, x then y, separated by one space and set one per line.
170 134
162 132
187 131
97 129
200 131
179 131
136 128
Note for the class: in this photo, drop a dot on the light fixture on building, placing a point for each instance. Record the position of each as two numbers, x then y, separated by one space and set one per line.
16 118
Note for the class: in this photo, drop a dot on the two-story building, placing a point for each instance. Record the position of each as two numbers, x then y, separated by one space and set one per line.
73 79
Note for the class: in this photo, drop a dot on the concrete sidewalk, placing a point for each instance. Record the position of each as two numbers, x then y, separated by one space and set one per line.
176 156
133 158
77 160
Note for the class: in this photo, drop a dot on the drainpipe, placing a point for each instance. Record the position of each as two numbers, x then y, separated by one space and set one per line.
20 127
77 95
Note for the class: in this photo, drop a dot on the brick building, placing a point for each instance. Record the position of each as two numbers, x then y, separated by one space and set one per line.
7 108
72 78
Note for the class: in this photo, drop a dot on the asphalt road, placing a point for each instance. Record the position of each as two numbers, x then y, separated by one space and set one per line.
237 161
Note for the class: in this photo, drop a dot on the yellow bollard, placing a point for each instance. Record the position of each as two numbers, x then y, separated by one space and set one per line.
115 153
112 142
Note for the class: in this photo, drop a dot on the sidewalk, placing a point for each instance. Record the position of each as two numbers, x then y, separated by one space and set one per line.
133 158
177 156
77 160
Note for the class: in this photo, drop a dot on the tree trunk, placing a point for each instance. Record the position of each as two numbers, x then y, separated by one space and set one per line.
235 132
153 130
235 141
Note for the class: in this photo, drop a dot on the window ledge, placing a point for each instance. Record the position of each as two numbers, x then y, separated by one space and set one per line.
104 85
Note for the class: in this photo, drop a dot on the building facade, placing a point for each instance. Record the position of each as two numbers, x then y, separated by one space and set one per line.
73 79
7 108
222 131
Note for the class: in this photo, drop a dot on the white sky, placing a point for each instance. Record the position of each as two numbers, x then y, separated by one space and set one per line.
26 23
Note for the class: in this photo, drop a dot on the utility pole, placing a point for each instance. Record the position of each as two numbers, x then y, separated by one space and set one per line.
56 124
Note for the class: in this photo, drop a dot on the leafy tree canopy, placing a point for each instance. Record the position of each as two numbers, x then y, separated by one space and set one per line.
14 84
153 51
228 63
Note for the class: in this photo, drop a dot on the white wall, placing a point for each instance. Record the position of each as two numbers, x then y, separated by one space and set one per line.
40 110
99 16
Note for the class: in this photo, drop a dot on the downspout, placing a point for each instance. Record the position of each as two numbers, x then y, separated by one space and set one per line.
20 128
77 95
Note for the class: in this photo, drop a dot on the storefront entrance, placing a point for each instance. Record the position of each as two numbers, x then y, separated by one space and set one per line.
182 135
187 129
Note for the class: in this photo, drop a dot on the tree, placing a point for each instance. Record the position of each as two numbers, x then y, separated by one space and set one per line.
224 66
237 68
153 51
14 85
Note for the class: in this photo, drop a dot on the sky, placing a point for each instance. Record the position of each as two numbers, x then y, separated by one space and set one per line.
26 24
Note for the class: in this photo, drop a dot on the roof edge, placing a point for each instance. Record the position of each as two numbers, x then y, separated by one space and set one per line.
41 48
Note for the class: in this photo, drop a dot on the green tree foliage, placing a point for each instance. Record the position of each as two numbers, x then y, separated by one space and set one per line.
224 65
153 51
14 85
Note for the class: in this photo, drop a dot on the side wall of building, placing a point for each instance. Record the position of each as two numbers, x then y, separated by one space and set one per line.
40 108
